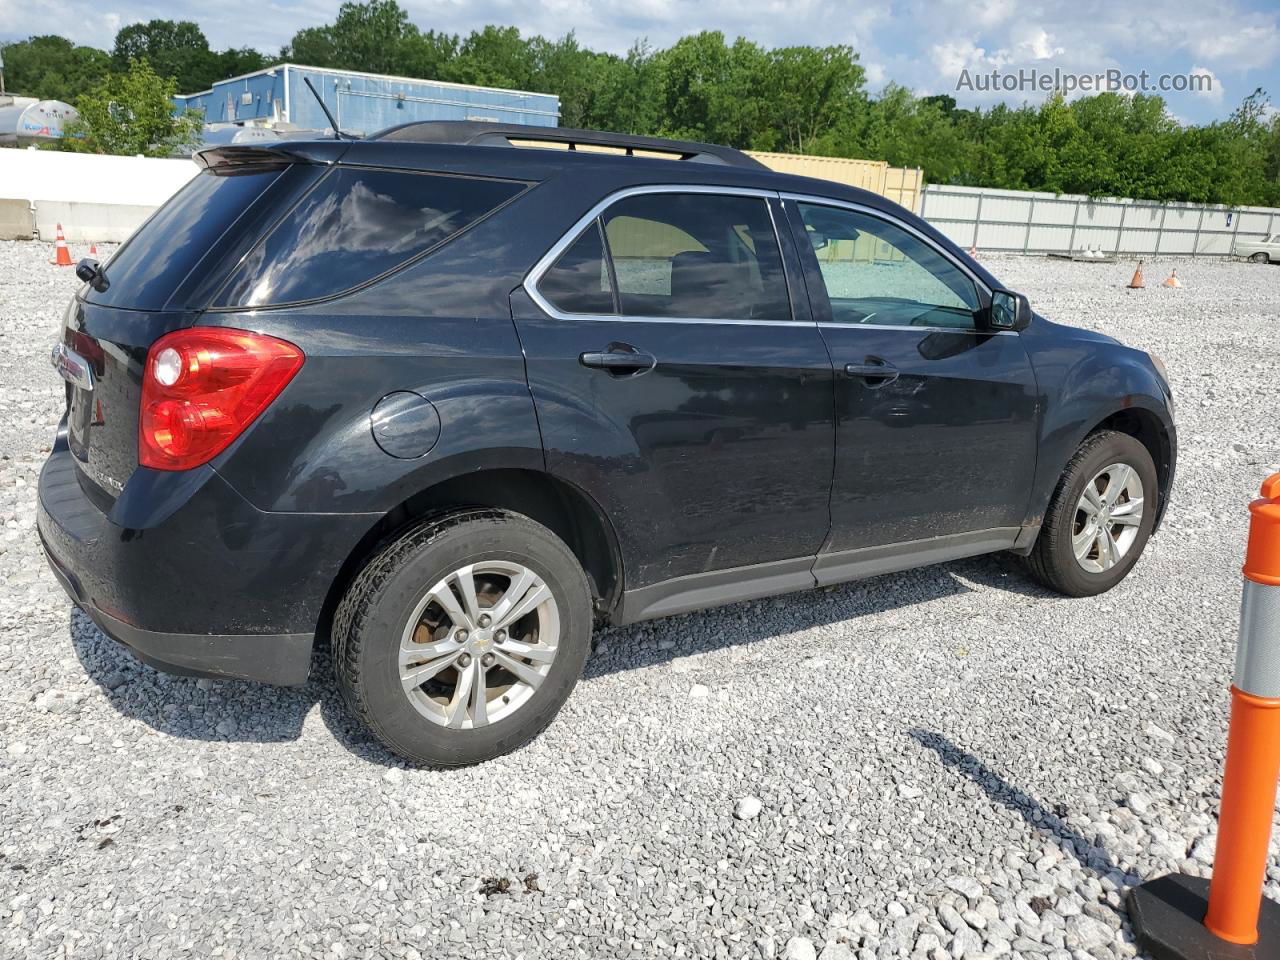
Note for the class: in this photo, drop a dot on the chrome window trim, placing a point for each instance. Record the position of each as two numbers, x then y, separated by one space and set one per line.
833 325
530 282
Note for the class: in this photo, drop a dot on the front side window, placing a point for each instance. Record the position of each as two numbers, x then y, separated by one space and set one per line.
696 256
879 274
356 225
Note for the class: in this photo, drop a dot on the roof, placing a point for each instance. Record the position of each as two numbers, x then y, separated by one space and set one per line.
591 174
516 135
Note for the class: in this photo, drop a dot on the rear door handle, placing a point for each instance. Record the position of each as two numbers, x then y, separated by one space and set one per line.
877 372
619 361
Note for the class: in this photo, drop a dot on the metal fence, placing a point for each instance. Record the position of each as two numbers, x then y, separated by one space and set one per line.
1013 221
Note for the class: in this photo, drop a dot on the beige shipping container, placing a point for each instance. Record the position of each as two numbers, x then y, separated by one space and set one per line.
902 185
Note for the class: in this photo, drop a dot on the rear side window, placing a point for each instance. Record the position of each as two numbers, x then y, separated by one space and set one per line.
356 225
696 256
147 270
579 281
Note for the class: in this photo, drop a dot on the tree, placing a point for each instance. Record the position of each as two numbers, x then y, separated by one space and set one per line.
131 113
52 68
807 92
372 37
175 49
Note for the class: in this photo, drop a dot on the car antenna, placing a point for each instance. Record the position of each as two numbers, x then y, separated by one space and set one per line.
337 134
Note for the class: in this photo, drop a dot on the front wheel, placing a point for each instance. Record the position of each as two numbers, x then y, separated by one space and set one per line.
461 640
1100 517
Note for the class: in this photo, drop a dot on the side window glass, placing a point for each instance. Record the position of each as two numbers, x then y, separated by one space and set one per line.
579 281
696 256
879 274
356 225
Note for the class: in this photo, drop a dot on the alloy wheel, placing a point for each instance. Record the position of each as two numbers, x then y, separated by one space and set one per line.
1108 516
479 644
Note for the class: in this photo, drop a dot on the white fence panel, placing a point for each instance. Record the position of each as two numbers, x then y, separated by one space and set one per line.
1025 222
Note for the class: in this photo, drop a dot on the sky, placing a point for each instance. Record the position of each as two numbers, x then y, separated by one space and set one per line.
927 46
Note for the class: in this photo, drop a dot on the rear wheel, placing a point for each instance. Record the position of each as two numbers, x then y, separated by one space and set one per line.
1099 518
1260 257
461 640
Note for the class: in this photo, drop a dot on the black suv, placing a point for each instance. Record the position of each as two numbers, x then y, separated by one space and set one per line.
448 397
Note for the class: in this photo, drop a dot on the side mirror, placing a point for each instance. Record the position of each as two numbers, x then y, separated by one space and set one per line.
1009 310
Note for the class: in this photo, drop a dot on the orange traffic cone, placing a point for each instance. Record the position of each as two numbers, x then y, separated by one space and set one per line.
1180 917
93 249
1137 283
1172 280
62 256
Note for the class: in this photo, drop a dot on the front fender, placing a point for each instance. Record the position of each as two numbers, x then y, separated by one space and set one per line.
1084 383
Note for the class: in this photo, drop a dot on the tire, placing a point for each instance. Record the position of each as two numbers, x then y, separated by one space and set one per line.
1260 257
371 632
1053 561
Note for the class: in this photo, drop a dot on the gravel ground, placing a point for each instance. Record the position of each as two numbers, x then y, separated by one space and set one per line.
944 763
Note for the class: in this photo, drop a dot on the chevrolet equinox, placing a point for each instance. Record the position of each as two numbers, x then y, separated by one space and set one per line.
447 398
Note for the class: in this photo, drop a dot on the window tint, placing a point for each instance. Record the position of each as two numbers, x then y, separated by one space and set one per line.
356 225
145 272
879 274
579 281
696 256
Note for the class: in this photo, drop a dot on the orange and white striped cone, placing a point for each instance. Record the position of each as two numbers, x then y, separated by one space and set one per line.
61 255
1172 917
1172 280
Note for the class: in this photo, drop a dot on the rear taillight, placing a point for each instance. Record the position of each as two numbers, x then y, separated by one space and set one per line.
202 386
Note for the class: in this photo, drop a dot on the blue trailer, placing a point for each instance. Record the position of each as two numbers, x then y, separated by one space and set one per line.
362 103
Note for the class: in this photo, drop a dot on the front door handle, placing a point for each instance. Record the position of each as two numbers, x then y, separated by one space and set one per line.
619 360
875 371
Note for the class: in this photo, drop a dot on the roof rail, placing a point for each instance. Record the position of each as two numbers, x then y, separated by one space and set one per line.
517 135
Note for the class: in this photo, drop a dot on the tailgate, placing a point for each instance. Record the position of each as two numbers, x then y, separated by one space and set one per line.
101 355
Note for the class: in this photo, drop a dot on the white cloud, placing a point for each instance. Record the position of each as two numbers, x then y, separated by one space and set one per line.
1237 45
1211 87
1036 44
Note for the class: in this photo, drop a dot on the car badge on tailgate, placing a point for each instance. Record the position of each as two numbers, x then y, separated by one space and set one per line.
73 367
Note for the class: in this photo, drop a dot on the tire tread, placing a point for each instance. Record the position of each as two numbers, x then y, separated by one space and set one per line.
1042 562
358 603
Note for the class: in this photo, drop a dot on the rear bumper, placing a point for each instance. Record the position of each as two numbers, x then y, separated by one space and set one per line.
280 658
199 582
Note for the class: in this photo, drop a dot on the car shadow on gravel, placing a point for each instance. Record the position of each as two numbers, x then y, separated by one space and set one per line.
230 710
221 710
1048 821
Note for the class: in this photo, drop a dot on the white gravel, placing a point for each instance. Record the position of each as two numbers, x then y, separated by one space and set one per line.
948 763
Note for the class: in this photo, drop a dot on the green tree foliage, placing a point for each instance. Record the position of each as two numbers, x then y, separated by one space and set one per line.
130 113
798 99
179 49
52 68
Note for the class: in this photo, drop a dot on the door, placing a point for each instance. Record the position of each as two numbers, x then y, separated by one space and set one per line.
678 384
935 411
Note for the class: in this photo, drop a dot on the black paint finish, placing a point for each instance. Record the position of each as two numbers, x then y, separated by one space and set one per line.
744 459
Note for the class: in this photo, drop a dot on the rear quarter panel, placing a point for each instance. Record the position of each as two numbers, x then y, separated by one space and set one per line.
441 328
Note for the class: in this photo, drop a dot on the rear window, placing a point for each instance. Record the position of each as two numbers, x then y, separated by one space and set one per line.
356 225
150 266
